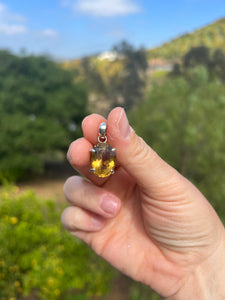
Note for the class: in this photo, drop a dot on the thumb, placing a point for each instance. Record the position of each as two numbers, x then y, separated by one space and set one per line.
179 221
136 157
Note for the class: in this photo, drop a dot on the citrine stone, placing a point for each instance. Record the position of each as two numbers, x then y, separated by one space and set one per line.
103 160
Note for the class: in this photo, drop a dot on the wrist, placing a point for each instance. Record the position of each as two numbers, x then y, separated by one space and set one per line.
206 282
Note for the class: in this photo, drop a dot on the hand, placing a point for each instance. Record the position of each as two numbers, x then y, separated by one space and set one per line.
146 220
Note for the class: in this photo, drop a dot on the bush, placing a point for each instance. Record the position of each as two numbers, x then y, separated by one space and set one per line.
183 121
38 255
139 291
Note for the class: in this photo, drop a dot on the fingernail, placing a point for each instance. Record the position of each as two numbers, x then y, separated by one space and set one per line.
124 126
109 204
97 222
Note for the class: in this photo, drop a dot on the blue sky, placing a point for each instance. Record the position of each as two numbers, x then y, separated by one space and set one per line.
69 29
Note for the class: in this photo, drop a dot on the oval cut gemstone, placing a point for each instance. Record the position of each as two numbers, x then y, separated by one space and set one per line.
103 160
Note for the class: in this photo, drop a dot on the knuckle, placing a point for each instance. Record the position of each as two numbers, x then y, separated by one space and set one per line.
141 150
145 155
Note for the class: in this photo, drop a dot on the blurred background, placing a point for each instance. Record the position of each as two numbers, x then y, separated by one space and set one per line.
163 61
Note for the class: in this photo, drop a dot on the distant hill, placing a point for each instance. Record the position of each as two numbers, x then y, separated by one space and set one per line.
211 36
162 58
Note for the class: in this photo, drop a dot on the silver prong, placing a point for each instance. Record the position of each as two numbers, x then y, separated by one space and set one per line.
92 170
113 149
93 150
112 171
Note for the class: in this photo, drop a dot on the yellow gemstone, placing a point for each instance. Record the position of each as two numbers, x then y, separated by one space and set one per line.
103 160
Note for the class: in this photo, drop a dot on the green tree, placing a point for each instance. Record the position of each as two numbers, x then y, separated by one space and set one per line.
121 81
183 121
40 111
130 83
214 61
196 56
217 64
92 75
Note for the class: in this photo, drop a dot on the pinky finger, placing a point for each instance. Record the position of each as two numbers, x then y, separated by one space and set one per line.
76 219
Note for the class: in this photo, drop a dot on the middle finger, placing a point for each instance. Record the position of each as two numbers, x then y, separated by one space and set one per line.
84 194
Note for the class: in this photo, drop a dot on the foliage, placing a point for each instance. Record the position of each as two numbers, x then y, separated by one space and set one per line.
197 56
214 62
92 75
139 291
121 81
130 83
183 120
211 36
40 109
36 253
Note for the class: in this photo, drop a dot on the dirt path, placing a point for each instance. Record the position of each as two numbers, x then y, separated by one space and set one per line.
46 188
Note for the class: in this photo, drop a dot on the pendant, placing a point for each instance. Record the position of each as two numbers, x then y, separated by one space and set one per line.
103 156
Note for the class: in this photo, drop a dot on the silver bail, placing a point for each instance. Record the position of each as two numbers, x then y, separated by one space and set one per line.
102 129
102 133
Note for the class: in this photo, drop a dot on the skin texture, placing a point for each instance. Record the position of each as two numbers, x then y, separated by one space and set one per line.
147 220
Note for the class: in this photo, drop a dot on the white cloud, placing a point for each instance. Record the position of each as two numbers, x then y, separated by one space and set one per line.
10 29
10 23
103 8
50 33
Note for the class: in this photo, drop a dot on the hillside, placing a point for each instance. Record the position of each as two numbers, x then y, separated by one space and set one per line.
211 36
